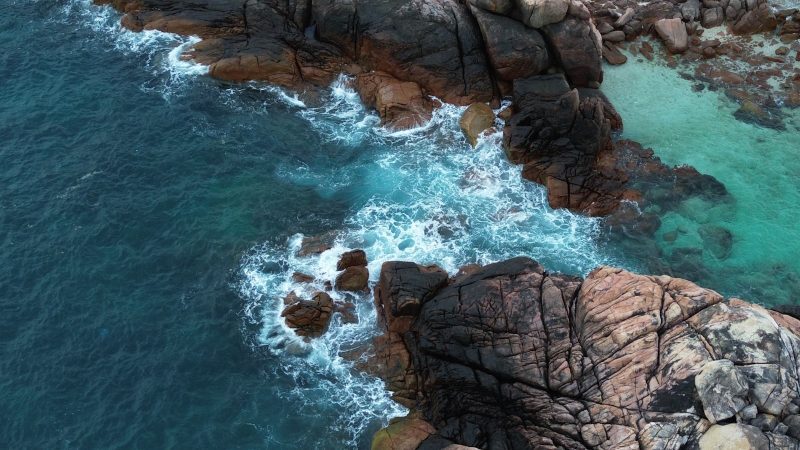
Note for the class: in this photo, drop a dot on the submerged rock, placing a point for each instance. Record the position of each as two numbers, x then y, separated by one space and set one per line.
512 356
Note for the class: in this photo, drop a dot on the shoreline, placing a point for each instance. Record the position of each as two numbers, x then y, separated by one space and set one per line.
413 104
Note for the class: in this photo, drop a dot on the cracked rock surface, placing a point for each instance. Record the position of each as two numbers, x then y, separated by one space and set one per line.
515 357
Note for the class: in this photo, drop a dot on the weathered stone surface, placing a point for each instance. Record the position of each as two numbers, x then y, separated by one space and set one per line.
722 390
673 33
402 434
576 45
352 258
538 13
733 436
514 50
558 135
495 6
511 356
309 318
713 17
475 120
434 44
353 279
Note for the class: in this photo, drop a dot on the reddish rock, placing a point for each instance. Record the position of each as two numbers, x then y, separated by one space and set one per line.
576 44
515 354
673 33
400 104
299 277
309 318
352 279
352 258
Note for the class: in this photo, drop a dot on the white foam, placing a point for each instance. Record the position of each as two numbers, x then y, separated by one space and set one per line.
161 52
433 199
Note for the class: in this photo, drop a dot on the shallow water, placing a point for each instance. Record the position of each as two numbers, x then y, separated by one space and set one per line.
149 218
758 166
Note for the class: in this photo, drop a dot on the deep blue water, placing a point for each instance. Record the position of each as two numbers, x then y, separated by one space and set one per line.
148 221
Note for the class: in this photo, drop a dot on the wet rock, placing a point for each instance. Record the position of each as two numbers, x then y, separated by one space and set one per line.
673 33
558 136
612 54
352 279
514 50
495 6
352 258
309 318
614 36
733 436
404 287
576 44
433 44
400 104
475 120
751 112
299 277
722 390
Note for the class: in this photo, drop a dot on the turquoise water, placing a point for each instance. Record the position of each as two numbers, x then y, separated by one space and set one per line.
149 217
758 166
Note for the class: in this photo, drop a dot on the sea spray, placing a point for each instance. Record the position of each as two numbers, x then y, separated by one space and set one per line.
426 197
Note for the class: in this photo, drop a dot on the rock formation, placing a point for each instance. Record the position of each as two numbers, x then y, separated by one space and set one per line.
513 357
401 55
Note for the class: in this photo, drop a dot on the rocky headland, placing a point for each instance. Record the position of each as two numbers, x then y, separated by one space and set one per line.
510 356
545 56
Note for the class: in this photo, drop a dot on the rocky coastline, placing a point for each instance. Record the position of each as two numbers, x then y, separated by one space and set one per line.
511 356
508 355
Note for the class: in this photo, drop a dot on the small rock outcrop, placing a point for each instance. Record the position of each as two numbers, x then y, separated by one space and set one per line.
309 318
511 356
354 275
673 33
476 119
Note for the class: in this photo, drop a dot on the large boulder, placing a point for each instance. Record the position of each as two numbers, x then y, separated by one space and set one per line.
734 436
512 356
559 135
673 33
722 390
309 318
434 44
495 6
352 279
577 47
475 120
400 104
514 50
352 258
538 13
